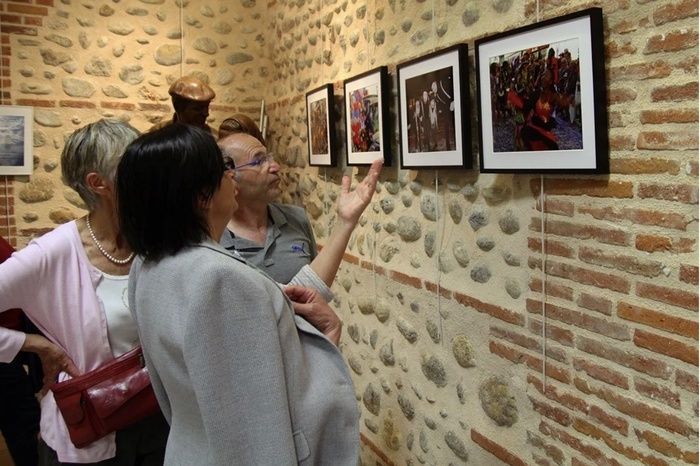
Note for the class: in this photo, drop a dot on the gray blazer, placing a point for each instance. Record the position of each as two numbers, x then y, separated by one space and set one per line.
240 378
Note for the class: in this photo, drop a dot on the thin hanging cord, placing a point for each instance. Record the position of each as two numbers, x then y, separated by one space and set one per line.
543 255
437 260
7 178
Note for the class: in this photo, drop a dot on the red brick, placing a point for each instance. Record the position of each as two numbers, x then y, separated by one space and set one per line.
406 279
376 450
147 107
671 41
657 392
552 247
595 303
585 276
621 262
675 297
667 140
378 269
640 71
554 413
498 312
675 92
577 462
669 347
557 207
654 243
36 102
604 374
44 2
496 450
583 187
622 142
27 9
558 334
615 49
638 216
76 104
33 20
638 410
665 447
618 237
347 257
688 274
669 192
21 30
615 423
625 358
687 381
615 119
588 450
14 19
693 168
658 320
516 338
534 363
624 27
433 288
620 95
581 320
689 65
594 432
661 117
670 12
554 289
118 106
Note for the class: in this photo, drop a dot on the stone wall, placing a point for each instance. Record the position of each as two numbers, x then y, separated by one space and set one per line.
75 62
442 289
443 286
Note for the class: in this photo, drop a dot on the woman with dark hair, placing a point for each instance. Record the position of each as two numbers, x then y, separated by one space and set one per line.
72 284
240 378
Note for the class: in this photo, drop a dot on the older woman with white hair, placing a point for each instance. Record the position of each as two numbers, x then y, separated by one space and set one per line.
72 283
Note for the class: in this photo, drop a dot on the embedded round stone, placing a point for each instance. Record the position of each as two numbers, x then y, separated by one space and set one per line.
428 206
480 274
372 399
429 243
459 251
513 288
434 370
387 205
455 210
407 330
386 354
409 228
462 350
509 223
497 402
485 244
406 407
456 445
478 218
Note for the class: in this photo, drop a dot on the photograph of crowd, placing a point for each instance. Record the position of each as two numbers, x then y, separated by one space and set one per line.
536 98
431 118
366 134
318 126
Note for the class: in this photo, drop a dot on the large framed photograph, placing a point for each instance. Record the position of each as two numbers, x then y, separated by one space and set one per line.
367 117
541 97
16 140
321 123
433 110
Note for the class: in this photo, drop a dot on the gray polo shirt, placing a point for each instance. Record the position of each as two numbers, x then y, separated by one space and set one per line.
289 245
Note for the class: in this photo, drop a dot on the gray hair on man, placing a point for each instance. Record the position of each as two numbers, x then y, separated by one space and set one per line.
96 147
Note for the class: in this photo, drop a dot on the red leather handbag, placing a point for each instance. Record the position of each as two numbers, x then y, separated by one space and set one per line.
110 398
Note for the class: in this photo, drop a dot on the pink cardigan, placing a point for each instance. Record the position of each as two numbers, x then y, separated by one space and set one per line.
54 283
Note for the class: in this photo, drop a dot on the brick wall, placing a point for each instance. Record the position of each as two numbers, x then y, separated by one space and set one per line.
21 18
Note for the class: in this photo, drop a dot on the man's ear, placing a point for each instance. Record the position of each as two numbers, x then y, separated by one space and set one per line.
97 184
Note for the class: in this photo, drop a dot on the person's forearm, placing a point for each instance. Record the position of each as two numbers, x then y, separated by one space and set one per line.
328 260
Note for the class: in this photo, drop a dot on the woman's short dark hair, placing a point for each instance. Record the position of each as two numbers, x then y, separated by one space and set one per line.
163 180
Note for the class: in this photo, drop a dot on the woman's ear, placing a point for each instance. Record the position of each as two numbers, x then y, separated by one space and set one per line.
98 185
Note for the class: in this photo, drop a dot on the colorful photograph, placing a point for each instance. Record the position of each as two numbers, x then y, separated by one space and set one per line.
318 118
431 118
366 133
536 98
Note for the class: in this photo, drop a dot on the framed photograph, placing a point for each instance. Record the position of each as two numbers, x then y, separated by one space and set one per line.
367 117
320 118
433 110
16 140
541 97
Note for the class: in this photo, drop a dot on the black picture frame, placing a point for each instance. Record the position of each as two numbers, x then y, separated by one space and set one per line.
367 125
320 120
434 129
561 129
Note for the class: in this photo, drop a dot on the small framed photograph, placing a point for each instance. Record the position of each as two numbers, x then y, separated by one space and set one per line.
367 117
541 97
433 110
321 122
16 140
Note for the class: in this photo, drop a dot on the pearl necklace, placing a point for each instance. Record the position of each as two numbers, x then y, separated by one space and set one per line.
102 250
